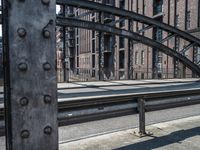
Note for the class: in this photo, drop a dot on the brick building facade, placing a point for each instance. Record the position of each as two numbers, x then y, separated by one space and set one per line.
147 62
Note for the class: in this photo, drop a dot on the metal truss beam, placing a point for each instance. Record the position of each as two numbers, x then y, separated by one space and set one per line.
129 15
186 48
145 28
167 38
116 21
84 14
131 35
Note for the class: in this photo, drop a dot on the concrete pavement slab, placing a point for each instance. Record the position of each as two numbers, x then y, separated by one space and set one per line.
167 136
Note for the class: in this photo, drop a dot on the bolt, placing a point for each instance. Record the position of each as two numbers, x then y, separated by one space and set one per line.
47 66
25 134
21 32
48 130
23 66
47 99
24 101
46 2
46 33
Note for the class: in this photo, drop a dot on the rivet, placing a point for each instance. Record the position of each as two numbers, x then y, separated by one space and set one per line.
46 33
51 21
23 66
47 66
46 2
21 32
47 99
48 130
24 101
25 134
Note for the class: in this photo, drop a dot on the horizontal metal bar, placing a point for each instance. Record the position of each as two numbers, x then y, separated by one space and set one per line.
145 28
96 110
113 108
129 15
116 21
131 35
84 14
167 38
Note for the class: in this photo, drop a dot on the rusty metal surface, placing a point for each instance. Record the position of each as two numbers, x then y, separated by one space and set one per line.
131 35
32 97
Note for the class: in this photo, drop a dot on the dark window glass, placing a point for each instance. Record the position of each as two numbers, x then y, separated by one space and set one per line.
121 42
121 59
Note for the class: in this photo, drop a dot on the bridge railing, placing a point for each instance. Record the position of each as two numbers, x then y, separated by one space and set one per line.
83 110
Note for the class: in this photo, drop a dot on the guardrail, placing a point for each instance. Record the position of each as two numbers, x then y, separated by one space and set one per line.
90 109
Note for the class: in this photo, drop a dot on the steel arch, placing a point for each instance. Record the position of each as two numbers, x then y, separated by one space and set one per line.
128 15
68 21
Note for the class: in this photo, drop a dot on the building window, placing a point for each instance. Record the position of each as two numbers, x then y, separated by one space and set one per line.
93 73
142 76
93 46
77 50
77 31
157 7
142 57
122 22
136 58
122 4
121 59
188 20
77 40
107 58
77 61
93 61
136 76
121 42
93 34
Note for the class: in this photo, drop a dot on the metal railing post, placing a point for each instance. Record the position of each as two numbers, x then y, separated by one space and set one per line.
141 109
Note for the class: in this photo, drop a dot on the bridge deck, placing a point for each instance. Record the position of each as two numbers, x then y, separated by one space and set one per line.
85 90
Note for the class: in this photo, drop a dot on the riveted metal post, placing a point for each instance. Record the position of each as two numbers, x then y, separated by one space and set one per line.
141 109
31 89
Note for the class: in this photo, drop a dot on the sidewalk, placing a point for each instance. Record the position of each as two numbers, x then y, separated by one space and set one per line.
182 134
121 83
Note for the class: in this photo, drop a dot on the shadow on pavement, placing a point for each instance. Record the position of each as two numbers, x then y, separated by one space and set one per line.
158 142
